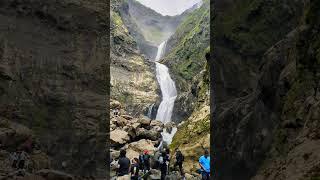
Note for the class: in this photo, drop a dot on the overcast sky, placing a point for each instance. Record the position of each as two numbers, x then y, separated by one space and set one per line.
169 7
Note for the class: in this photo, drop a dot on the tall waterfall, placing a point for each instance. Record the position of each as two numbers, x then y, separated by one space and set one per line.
169 94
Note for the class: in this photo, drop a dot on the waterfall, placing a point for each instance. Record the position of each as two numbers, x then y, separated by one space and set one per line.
169 94
150 111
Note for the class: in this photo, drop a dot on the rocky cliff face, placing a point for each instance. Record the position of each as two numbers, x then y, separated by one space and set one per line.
267 131
53 61
133 80
185 57
148 27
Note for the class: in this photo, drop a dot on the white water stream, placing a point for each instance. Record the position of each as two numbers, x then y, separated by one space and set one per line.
169 94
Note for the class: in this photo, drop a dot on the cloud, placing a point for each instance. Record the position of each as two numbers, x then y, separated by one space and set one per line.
169 7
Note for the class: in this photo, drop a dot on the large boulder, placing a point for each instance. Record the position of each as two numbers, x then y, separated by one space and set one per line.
141 145
119 137
115 104
144 122
148 134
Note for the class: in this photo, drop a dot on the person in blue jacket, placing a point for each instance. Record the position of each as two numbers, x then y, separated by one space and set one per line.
204 162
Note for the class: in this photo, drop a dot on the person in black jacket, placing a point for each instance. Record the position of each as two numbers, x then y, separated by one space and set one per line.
179 161
124 165
163 164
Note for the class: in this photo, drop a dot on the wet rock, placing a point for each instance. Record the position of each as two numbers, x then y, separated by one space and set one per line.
148 134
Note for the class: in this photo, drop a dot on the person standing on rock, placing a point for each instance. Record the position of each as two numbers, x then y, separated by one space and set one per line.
146 161
179 161
163 164
14 158
22 159
135 169
124 166
204 162
141 161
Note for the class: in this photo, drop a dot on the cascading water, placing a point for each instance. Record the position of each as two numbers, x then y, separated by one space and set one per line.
169 94
150 111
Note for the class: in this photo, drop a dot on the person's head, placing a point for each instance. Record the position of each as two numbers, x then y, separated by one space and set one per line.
123 153
163 153
206 153
168 151
176 150
145 152
135 160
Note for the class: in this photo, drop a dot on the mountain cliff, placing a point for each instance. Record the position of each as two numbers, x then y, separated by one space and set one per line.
52 71
267 83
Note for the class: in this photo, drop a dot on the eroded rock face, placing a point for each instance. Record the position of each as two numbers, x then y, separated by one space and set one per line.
52 74
266 128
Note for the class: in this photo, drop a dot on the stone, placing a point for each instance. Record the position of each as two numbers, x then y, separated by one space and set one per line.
119 137
54 175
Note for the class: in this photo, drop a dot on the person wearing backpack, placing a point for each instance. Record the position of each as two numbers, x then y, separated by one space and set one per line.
141 162
163 164
204 162
179 161
146 161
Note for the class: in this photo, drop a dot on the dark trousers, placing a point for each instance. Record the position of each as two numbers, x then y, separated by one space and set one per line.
21 164
179 164
205 175
163 169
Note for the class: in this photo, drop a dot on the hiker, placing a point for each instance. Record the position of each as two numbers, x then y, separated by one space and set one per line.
163 163
168 159
141 161
204 162
146 161
124 166
116 112
22 158
135 169
14 158
179 161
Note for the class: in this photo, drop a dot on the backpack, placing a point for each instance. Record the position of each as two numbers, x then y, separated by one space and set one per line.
141 159
146 157
180 157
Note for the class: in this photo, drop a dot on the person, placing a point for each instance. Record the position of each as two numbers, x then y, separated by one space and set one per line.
168 159
163 159
141 161
179 161
124 166
135 169
14 158
204 162
146 161
22 157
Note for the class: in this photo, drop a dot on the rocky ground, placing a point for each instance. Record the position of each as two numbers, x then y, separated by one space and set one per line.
135 135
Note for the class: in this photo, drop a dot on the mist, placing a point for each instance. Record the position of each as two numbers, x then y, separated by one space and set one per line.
169 7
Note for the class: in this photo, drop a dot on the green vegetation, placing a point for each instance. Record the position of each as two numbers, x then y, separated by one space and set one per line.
188 54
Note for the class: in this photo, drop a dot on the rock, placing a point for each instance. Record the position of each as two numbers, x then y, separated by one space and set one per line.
154 174
148 134
141 145
145 122
120 121
127 117
136 125
156 123
132 154
54 175
119 137
115 104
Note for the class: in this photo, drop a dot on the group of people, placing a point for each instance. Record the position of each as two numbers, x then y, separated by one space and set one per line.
19 159
131 169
